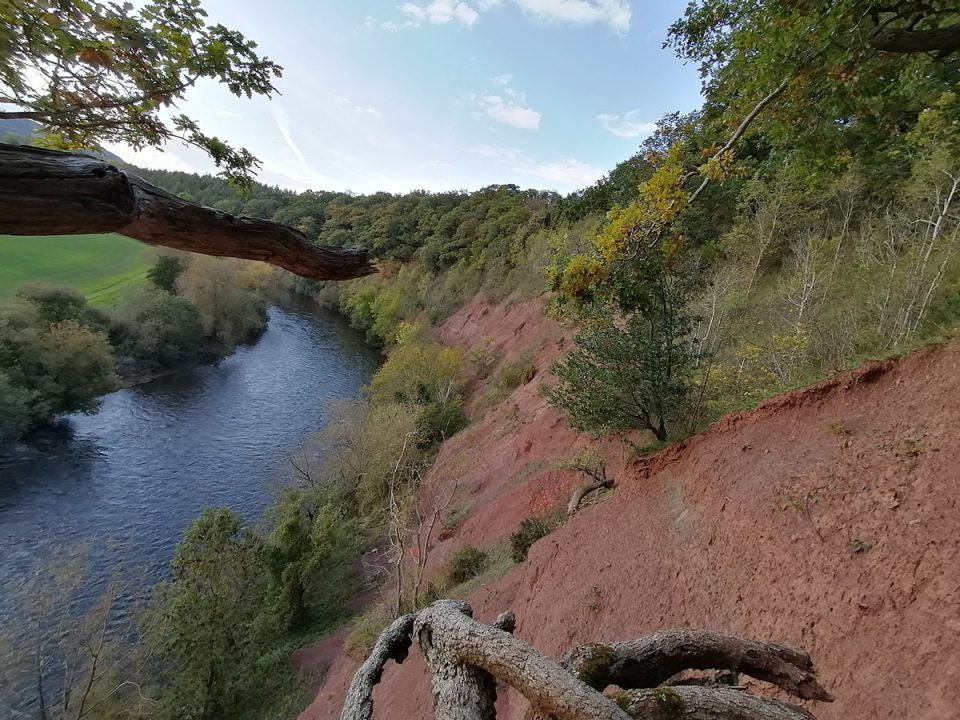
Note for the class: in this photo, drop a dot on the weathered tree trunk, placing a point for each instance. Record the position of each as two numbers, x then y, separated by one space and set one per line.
698 703
466 659
452 638
654 659
45 192
581 492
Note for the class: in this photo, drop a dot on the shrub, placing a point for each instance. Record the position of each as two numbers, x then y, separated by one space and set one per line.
483 357
466 564
439 421
530 530
517 373
366 629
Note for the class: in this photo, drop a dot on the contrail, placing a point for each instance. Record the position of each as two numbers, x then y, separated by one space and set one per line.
282 120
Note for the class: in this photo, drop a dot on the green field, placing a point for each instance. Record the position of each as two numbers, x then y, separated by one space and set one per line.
99 266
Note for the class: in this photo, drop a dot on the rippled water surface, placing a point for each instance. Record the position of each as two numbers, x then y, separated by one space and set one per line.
127 481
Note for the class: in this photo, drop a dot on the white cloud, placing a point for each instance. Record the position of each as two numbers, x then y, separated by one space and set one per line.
615 13
348 104
499 153
503 80
510 113
565 173
439 12
627 125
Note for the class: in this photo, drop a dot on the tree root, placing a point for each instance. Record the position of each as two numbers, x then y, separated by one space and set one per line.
467 658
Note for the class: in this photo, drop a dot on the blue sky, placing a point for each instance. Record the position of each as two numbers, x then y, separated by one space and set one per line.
444 94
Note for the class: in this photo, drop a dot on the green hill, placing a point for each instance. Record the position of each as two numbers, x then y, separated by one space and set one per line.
100 266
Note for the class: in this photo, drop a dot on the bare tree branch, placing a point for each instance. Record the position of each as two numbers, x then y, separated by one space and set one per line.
393 644
46 192
652 660
466 658
699 703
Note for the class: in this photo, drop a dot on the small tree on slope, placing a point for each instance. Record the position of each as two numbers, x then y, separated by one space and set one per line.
630 370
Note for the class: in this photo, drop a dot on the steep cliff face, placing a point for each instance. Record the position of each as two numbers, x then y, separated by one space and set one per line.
827 518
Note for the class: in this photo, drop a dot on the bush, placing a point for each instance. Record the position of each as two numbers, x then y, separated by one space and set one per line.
517 373
165 272
365 631
483 357
439 421
530 530
466 564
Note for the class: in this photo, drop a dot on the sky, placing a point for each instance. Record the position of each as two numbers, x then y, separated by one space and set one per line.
443 94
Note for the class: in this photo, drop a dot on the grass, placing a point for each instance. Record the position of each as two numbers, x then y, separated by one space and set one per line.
99 266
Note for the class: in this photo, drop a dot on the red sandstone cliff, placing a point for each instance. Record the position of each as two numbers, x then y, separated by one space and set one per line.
827 517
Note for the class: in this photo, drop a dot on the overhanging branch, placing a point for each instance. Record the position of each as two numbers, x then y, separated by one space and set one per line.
46 192
945 39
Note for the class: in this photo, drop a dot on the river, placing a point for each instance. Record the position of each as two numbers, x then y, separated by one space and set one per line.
125 482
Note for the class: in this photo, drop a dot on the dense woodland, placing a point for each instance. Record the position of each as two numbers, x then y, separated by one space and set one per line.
806 218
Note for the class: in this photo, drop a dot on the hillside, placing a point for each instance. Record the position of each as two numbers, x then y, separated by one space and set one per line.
99 266
825 518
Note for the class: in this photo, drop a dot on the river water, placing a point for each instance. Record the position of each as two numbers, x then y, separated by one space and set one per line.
119 487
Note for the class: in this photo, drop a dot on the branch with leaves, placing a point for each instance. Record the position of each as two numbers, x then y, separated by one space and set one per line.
97 72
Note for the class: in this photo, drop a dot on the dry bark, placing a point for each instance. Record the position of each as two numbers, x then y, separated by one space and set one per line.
393 644
654 659
449 637
45 192
698 703
581 492
467 658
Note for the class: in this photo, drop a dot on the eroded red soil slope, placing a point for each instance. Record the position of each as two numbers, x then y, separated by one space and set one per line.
827 517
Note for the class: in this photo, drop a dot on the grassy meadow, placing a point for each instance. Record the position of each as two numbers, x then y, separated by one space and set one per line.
99 266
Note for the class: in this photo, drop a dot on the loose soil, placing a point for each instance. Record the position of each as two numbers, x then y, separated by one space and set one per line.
826 518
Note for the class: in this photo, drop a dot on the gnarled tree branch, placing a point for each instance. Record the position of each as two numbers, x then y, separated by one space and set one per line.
945 40
697 703
46 192
654 659
581 492
450 637
393 644
466 658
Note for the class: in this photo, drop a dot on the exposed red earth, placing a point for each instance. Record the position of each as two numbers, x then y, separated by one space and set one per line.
827 518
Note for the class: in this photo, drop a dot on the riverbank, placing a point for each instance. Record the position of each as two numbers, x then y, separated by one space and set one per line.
126 481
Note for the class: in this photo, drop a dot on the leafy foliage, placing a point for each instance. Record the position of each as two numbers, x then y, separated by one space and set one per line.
465 564
864 100
165 272
530 530
49 367
630 369
91 72
209 631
